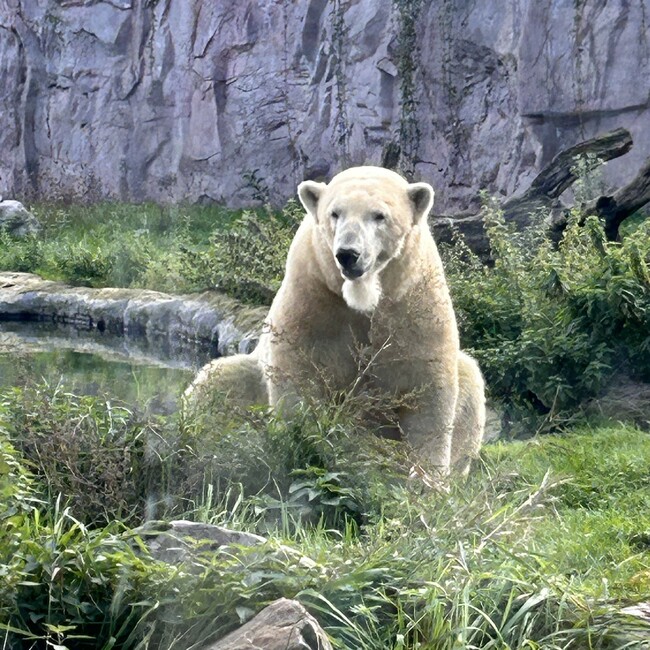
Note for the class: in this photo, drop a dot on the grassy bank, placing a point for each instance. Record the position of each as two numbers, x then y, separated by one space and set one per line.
540 548
178 249
552 326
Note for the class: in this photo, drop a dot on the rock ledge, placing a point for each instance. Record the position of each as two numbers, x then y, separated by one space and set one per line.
209 320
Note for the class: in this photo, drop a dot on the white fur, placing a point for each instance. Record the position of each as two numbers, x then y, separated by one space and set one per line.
363 294
311 328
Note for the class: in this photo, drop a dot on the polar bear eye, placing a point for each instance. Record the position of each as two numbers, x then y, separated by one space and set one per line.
335 215
379 217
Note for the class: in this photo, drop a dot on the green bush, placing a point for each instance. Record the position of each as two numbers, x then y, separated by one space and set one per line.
171 249
246 261
21 255
551 325
107 461
103 459
321 467
69 587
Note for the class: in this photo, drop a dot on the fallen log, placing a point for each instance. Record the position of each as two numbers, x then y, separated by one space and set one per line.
542 197
623 203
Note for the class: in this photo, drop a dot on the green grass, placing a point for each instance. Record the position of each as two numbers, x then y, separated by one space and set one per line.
177 249
540 548
600 532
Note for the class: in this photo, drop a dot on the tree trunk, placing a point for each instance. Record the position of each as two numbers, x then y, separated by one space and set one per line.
541 199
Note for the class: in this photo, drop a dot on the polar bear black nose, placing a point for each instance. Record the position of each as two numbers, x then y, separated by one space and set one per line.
347 258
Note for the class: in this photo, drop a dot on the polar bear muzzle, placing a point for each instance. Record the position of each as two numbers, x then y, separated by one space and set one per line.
348 260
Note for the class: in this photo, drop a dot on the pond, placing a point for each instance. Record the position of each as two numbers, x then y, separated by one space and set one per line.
152 374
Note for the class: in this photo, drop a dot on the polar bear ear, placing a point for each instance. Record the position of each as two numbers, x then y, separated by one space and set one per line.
309 193
421 197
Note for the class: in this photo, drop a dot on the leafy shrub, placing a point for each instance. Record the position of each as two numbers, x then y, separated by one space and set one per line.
108 462
171 249
320 467
550 324
87 261
17 500
21 255
100 457
247 261
66 586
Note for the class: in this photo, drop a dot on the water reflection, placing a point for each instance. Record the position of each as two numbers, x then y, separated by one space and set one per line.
137 371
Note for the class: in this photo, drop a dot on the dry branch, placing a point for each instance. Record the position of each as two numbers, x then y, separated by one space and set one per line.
616 208
542 196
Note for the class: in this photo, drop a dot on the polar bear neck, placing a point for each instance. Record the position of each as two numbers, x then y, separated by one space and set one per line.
363 294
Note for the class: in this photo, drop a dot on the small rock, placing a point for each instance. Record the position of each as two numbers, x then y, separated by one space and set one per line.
17 220
624 400
640 610
177 541
283 625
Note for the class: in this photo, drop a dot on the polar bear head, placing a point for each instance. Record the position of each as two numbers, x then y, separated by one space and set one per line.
364 215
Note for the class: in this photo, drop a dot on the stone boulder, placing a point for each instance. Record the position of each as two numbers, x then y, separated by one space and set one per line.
177 541
17 220
283 625
624 400
209 320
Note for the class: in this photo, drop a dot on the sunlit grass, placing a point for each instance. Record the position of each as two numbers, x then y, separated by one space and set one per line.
540 548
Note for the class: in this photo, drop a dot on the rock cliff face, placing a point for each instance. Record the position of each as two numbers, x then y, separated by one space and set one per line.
198 100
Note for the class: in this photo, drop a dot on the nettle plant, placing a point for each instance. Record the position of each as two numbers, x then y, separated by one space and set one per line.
551 324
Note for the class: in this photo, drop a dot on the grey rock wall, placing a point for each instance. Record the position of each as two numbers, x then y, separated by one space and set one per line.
171 100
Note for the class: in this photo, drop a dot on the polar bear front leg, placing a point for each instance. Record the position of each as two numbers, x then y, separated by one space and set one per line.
288 373
428 427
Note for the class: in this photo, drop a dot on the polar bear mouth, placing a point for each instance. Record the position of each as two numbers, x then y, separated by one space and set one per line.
352 274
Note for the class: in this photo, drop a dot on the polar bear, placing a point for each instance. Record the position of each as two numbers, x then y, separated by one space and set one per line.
364 278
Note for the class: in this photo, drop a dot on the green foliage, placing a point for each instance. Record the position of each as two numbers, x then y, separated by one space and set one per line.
22 255
550 324
408 12
101 457
166 249
66 586
322 466
17 498
247 261
516 556
340 56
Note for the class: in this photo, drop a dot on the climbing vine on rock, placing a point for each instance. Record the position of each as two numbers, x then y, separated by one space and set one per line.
339 33
408 12
579 79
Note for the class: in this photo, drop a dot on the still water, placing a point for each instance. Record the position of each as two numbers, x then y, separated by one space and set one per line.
152 374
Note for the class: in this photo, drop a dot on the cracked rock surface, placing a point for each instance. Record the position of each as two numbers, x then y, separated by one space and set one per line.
222 101
210 320
283 625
